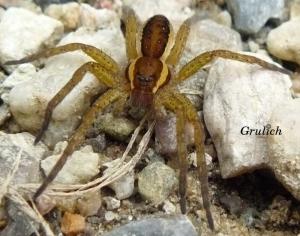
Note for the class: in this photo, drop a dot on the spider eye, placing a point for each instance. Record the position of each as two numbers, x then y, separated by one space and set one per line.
144 79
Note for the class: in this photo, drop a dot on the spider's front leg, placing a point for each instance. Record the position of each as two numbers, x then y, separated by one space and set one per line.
99 105
198 62
183 109
100 73
99 56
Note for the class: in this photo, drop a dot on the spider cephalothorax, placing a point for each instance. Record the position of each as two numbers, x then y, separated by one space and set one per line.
148 82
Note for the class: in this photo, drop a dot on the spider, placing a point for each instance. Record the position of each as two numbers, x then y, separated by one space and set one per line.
149 82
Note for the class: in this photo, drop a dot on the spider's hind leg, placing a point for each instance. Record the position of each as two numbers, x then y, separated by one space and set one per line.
99 105
101 73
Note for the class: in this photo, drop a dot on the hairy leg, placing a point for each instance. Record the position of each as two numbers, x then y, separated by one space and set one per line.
171 104
99 56
193 117
198 62
100 104
101 73
131 26
179 44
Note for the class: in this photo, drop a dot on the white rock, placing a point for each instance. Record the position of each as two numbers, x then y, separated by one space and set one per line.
4 113
206 35
283 42
237 95
176 11
284 149
110 216
81 166
10 146
124 186
23 73
169 207
111 203
74 15
23 33
29 100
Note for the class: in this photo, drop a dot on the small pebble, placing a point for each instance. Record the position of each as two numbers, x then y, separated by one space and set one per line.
72 224
110 216
111 203
156 181
124 186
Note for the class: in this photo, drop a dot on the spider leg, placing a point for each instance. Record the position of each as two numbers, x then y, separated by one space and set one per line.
131 25
95 53
198 62
179 110
101 73
100 104
179 44
193 117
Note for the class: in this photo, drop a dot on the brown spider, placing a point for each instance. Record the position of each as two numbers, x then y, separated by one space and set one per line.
149 82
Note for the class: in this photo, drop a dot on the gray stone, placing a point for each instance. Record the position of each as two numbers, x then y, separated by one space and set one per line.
250 16
26 33
29 169
156 182
236 95
19 224
167 226
117 127
81 166
284 149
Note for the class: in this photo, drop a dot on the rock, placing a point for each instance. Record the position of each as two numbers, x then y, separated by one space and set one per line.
156 181
205 35
28 102
284 149
4 114
250 16
28 33
224 18
74 15
294 9
89 204
81 166
72 224
44 3
165 135
283 42
110 216
240 95
165 226
98 143
68 14
124 186
10 146
19 224
151 156
23 73
117 127
111 203
28 4
176 11
169 207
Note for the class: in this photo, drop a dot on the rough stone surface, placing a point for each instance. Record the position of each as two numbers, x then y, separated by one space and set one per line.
284 149
4 114
250 16
167 226
10 146
74 15
156 182
283 42
111 203
237 95
81 166
28 33
124 186
117 127
19 223
29 100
